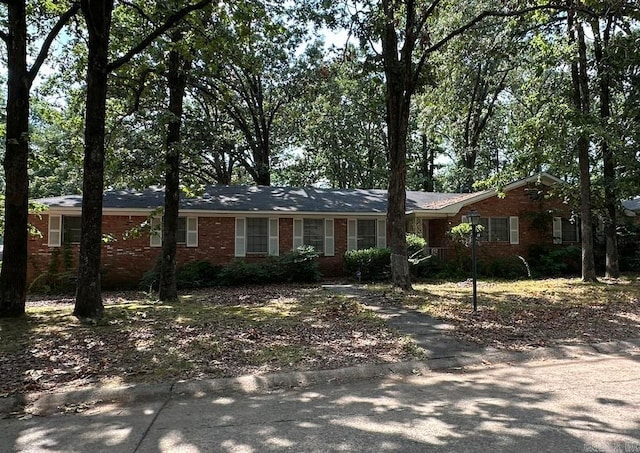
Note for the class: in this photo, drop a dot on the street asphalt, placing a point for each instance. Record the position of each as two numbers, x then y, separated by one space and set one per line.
364 408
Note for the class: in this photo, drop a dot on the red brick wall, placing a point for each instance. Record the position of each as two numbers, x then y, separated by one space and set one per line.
515 203
125 261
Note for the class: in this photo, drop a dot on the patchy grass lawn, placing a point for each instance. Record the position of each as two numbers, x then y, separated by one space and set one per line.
209 333
530 313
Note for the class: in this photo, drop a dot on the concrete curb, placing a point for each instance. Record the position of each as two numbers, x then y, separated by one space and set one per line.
48 403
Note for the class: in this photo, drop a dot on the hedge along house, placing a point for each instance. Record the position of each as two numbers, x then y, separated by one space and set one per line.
230 222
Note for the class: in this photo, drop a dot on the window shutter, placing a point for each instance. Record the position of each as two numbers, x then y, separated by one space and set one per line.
297 233
155 236
514 230
240 248
464 219
381 240
192 231
557 230
55 230
352 234
274 249
329 241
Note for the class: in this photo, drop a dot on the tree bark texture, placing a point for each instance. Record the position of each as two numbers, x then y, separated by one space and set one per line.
400 86
601 41
580 81
97 15
428 164
13 278
177 80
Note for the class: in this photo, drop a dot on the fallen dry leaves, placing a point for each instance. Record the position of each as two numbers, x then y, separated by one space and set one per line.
219 332
534 313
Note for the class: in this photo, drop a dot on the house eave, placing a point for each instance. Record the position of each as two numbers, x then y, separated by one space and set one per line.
143 212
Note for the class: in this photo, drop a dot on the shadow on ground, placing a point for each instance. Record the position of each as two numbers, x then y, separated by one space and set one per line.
588 405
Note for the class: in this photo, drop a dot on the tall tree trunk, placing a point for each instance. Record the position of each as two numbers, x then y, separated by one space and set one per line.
612 269
13 278
399 89
398 116
177 80
97 15
580 81
428 164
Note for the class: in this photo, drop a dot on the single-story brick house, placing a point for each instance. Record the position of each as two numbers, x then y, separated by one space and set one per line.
228 222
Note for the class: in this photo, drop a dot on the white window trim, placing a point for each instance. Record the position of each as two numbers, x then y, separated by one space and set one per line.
513 228
273 237
381 233
191 231
240 235
329 235
558 236
329 238
55 230
352 233
298 233
155 235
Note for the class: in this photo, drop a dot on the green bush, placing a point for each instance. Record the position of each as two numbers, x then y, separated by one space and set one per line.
629 248
240 272
426 267
198 274
150 280
299 265
415 244
550 262
372 264
510 268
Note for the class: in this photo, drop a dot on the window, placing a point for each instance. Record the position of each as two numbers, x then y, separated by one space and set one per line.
71 229
63 229
565 231
317 233
569 231
186 231
257 235
366 233
181 230
313 234
496 229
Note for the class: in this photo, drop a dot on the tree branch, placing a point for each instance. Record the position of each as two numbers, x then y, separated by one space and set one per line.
170 22
485 14
4 37
46 45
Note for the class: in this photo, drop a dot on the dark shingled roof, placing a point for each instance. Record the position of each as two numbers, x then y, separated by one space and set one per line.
278 199
632 205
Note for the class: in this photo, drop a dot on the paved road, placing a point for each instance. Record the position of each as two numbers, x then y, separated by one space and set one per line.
590 404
